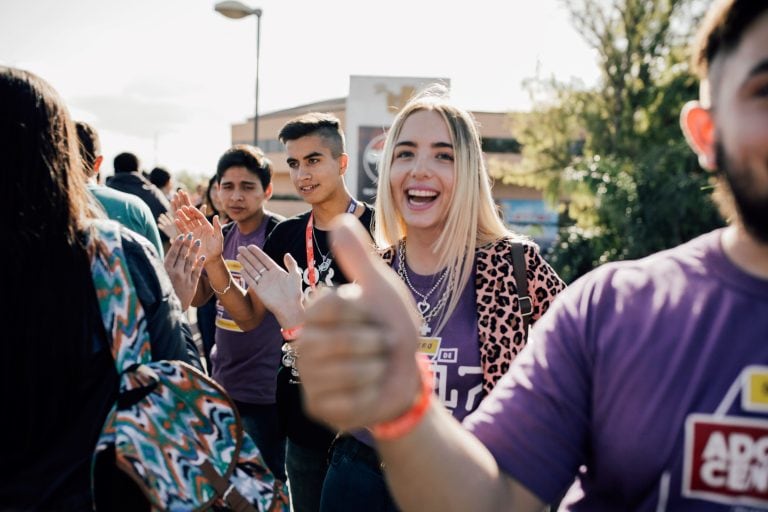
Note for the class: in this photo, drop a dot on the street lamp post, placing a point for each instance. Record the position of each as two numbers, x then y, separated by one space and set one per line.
236 10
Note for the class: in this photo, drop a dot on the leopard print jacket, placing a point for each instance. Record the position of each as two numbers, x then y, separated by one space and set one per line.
499 319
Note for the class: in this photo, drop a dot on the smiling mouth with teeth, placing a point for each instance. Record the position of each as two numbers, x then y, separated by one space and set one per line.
421 196
308 188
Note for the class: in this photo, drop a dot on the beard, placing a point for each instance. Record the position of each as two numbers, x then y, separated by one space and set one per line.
741 197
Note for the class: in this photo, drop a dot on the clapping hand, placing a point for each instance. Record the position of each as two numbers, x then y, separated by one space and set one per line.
184 267
278 290
167 225
189 219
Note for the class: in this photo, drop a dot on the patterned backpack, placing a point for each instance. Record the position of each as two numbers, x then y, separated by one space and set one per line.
173 431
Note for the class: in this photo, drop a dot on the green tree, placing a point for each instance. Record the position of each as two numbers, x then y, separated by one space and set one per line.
613 157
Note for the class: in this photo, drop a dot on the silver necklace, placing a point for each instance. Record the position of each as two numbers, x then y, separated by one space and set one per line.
426 310
327 260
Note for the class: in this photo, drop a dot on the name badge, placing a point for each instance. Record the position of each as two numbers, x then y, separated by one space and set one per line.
754 396
429 345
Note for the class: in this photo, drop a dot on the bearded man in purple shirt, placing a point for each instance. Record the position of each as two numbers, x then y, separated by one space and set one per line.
646 384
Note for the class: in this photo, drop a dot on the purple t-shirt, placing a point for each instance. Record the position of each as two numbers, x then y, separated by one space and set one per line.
454 352
648 379
246 363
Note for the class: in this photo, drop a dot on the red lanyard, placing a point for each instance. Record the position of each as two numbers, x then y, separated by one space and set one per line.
310 246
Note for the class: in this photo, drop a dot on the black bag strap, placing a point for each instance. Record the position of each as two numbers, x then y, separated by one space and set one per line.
521 281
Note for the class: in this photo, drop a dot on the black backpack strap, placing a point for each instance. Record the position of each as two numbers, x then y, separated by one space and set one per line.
226 228
272 221
521 281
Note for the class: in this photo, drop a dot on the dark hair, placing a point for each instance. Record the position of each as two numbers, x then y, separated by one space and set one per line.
211 209
250 157
90 146
126 162
211 183
722 29
47 283
324 125
159 177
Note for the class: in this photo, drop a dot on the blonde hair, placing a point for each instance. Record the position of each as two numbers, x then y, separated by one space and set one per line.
472 220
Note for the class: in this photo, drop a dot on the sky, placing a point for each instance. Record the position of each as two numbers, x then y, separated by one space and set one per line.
165 79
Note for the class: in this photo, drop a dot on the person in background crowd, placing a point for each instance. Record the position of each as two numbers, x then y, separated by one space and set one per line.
127 209
162 179
130 180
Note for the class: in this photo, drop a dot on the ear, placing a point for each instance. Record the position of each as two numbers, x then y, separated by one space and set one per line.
699 129
343 163
97 164
268 191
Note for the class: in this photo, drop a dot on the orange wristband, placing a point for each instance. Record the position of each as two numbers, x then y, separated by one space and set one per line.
406 422
292 333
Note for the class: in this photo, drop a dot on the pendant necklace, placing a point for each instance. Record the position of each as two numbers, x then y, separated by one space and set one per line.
313 274
425 309
326 258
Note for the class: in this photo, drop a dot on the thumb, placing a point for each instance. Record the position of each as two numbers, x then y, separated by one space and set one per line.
383 300
184 198
290 263
353 249
197 269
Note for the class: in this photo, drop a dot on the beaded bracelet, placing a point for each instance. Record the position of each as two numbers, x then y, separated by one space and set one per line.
292 333
407 421
225 290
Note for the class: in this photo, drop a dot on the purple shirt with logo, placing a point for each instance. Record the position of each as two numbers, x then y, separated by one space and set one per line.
648 380
246 363
456 356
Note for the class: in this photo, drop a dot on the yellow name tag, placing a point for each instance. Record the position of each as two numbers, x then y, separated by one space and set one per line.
429 345
227 324
755 389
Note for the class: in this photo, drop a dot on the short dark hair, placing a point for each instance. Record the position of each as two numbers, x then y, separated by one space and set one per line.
159 177
722 29
126 162
90 146
250 157
324 125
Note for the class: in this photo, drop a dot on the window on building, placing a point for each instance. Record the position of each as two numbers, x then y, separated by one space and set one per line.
501 145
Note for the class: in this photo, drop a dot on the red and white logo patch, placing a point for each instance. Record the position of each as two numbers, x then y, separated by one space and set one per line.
726 459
